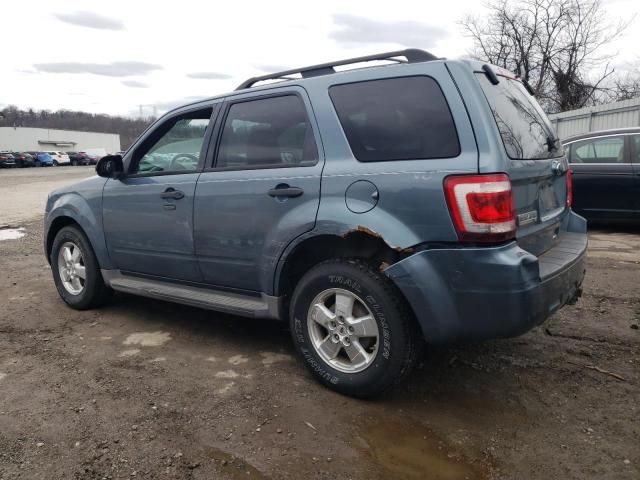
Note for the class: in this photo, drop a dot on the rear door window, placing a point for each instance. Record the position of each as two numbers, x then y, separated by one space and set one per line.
404 118
525 130
267 133
598 150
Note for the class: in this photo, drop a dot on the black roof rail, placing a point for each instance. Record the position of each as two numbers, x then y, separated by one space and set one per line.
412 55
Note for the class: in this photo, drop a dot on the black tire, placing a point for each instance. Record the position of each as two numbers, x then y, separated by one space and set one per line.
55 163
95 292
399 335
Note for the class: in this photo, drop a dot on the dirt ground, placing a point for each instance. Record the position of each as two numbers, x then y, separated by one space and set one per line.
147 389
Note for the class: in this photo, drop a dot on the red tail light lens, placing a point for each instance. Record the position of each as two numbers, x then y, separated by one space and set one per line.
569 189
481 207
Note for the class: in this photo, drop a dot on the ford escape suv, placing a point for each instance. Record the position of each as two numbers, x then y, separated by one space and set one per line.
373 208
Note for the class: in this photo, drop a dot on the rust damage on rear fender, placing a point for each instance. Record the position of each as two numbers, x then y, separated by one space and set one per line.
374 234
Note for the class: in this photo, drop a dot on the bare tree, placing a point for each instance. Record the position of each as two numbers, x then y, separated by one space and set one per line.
625 85
556 45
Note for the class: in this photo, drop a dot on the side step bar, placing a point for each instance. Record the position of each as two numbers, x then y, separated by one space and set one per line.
264 306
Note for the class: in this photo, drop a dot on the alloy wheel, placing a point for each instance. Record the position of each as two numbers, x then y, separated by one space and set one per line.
71 268
343 330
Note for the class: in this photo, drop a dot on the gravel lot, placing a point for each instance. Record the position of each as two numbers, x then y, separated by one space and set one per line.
146 389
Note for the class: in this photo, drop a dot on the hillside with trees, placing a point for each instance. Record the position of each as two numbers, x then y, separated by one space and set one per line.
127 128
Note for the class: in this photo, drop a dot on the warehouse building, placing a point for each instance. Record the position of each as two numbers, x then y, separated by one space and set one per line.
622 114
24 139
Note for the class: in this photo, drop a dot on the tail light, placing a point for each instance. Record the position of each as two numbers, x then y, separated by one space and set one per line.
569 189
481 207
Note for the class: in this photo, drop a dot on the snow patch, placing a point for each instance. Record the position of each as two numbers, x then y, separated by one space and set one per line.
11 233
129 353
238 359
269 358
147 339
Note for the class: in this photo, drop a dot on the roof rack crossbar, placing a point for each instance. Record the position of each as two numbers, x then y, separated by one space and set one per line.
412 55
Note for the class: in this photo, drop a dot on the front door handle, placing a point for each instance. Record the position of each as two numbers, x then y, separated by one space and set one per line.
172 193
284 190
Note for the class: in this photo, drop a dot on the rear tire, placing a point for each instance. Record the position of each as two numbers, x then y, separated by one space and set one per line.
72 258
371 357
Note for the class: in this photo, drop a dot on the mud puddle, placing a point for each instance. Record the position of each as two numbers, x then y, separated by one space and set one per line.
405 450
234 467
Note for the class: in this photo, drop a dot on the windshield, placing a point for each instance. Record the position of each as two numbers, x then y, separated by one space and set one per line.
525 130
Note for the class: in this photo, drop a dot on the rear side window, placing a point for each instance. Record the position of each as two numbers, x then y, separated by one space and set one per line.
403 118
525 130
267 133
599 150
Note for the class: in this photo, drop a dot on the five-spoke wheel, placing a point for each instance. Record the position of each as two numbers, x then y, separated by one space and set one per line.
343 330
71 268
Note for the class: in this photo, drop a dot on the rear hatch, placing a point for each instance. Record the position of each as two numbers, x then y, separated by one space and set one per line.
536 161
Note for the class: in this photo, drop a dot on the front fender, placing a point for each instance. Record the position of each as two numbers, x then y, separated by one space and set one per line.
86 211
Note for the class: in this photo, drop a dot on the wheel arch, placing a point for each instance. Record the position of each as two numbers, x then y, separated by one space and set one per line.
72 209
315 248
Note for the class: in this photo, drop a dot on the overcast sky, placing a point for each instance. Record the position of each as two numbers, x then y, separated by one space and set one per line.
112 56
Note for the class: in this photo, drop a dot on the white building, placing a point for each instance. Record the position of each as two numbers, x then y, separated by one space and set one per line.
24 139
602 117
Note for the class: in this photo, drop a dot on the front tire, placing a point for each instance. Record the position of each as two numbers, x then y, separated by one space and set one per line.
76 272
352 328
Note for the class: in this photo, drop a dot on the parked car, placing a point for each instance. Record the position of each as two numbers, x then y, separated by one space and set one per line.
606 173
60 158
34 156
44 159
7 160
79 158
95 154
444 213
24 159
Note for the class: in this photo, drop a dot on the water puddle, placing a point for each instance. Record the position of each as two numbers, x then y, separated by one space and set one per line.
11 233
234 467
409 451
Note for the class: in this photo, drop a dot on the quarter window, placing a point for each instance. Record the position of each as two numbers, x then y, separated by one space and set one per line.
267 133
600 150
403 118
175 147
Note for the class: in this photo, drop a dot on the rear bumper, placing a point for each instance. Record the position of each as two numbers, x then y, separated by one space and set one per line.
468 294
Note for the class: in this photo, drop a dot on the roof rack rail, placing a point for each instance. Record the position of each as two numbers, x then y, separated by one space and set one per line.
412 55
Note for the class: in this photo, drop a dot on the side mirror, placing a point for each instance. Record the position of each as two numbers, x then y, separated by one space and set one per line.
110 166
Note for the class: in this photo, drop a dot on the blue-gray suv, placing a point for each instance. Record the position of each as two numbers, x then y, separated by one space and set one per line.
373 208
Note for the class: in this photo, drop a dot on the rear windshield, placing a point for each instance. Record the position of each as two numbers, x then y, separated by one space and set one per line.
525 130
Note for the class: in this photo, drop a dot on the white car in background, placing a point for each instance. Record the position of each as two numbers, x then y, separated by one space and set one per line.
60 158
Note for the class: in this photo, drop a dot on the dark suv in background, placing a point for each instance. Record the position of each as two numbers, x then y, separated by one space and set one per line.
374 209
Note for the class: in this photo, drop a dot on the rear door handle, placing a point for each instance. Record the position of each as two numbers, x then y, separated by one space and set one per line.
284 190
172 193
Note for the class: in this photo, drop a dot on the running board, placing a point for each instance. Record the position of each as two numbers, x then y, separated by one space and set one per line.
264 306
